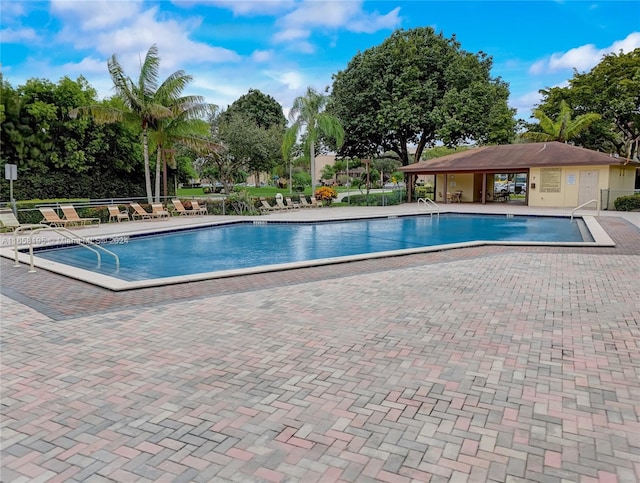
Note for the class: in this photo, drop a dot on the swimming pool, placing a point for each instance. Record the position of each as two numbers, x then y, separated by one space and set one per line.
248 247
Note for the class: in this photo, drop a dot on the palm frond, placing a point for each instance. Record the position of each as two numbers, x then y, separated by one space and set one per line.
289 139
149 72
331 127
100 114
172 87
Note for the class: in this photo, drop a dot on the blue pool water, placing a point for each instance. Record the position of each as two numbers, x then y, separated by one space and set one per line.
229 247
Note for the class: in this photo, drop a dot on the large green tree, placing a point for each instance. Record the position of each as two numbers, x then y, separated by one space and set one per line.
263 109
612 90
241 146
264 128
308 114
419 88
58 156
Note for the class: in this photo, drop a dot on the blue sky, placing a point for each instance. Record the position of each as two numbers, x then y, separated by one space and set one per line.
282 46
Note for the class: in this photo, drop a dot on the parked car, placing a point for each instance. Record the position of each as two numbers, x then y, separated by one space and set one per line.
510 187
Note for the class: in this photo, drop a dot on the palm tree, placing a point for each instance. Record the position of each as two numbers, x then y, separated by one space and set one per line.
145 102
563 128
186 126
308 111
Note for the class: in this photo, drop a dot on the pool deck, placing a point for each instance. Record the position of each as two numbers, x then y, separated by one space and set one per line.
488 363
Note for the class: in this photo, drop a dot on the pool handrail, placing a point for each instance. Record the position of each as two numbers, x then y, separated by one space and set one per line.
585 204
430 203
85 242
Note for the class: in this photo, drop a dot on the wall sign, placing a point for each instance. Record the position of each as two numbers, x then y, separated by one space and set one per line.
550 180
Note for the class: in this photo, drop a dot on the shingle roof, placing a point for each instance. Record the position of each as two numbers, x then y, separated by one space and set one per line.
514 157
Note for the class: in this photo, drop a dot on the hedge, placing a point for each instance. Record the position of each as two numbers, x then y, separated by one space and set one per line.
628 203
376 199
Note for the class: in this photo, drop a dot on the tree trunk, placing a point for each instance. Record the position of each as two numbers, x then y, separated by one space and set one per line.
147 168
312 158
158 164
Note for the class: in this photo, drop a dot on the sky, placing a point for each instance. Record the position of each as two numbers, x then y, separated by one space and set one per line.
281 47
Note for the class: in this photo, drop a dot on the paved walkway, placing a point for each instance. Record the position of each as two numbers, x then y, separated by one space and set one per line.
481 364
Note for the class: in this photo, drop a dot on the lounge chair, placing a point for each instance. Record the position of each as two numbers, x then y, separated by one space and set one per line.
291 204
116 215
314 203
202 210
8 220
280 205
265 206
71 214
51 218
304 203
139 212
159 211
181 210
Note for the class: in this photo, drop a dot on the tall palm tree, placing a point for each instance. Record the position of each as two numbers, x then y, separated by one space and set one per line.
563 128
308 112
146 102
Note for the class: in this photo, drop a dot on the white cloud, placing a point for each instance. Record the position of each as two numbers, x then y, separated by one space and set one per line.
262 55
292 34
631 42
174 46
244 7
88 65
292 80
374 22
96 14
584 57
295 40
12 9
346 15
580 58
331 15
10 35
131 40
222 92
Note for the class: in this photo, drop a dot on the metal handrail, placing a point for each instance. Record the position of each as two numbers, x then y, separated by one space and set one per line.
85 242
430 203
585 204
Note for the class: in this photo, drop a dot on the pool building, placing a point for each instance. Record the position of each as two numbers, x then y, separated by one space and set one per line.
554 174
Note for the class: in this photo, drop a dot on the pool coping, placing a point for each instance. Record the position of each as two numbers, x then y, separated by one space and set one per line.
599 235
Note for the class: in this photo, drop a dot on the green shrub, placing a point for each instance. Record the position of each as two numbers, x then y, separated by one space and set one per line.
628 203
424 192
241 203
377 199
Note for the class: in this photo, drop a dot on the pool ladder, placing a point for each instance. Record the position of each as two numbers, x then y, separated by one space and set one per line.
585 204
81 241
429 203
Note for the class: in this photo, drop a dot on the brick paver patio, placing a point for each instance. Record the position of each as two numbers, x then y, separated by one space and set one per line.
484 364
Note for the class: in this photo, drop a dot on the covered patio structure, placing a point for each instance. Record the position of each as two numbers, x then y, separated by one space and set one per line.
547 174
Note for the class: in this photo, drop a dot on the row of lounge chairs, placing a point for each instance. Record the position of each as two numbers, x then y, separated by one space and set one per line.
71 218
158 211
288 204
